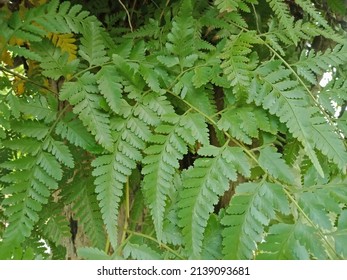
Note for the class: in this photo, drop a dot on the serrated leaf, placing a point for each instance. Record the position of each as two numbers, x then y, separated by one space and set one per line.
272 162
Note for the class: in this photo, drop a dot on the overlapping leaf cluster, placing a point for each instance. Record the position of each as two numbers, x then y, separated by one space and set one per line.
202 134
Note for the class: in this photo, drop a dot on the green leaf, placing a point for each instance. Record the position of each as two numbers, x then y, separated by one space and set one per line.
202 185
341 234
92 254
92 47
110 87
140 252
250 210
272 162
60 151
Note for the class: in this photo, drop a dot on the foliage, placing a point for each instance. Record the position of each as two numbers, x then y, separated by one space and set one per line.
173 130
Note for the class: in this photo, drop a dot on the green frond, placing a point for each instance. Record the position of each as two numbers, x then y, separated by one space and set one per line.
311 64
50 165
54 225
309 8
110 87
282 244
250 210
286 99
272 162
180 43
286 20
28 189
236 63
112 170
232 5
81 95
82 196
38 107
160 164
93 254
151 77
341 234
53 61
92 48
203 184
212 244
140 252
60 151
33 129
109 188
244 123
329 142
72 129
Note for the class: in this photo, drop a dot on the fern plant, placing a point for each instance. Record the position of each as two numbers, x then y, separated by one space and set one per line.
194 131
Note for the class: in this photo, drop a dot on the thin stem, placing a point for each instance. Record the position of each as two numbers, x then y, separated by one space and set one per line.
22 77
162 12
127 210
107 245
256 18
128 15
156 241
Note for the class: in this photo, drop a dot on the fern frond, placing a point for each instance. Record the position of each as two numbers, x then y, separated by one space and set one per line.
250 210
28 189
169 145
110 87
234 5
309 8
53 61
181 44
328 142
50 165
313 64
244 123
112 170
160 164
60 151
54 225
92 48
285 242
109 188
33 129
286 99
271 161
212 244
62 18
85 207
37 107
72 129
203 184
286 20
140 252
86 103
236 63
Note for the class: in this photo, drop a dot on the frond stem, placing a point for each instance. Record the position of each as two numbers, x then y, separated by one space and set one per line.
332 253
209 118
156 241
127 210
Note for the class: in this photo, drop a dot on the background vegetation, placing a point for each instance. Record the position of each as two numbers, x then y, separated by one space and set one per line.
173 129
